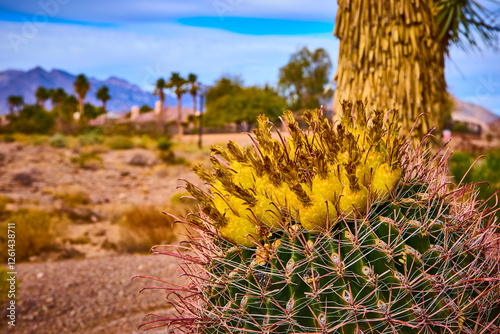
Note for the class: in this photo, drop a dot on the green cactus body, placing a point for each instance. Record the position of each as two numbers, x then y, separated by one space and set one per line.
392 250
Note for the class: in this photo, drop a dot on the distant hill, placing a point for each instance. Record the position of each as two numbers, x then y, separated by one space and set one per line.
465 111
123 94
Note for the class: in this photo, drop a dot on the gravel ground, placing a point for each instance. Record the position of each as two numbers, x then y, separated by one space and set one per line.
94 296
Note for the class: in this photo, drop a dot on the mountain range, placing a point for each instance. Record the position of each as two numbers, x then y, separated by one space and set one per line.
123 94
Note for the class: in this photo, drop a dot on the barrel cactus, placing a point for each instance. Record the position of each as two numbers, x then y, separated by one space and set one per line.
340 228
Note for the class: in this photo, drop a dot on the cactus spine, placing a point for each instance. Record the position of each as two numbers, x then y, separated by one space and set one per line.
343 228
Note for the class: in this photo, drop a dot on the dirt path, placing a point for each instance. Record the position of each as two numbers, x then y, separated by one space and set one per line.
94 296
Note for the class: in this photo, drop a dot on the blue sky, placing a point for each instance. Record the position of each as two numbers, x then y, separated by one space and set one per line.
143 40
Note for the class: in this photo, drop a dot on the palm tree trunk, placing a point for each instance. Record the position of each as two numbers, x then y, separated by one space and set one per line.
389 57
180 130
59 122
82 111
105 111
194 103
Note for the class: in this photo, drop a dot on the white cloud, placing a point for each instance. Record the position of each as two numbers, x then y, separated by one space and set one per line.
130 10
134 51
141 53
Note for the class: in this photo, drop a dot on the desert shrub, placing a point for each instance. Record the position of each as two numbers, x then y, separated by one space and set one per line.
120 143
24 179
58 140
169 158
92 137
73 196
5 285
146 226
4 200
144 141
39 140
163 144
36 232
140 160
88 160
8 138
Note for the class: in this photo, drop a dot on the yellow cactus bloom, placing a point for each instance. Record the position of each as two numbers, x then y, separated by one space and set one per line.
370 162
384 181
353 200
240 230
267 212
308 177
315 216
327 189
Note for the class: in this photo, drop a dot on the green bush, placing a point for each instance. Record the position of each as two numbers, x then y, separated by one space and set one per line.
58 140
459 164
163 144
486 170
93 137
8 138
120 143
40 140
31 119
88 160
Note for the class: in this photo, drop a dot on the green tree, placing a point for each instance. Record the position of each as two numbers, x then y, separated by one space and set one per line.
70 106
92 112
15 103
178 84
398 61
229 102
57 97
103 95
159 87
42 95
82 86
194 88
31 119
144 109
303 79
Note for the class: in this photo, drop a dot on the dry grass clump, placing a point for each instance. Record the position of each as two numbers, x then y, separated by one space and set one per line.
36 231
88 160
143 227
72 196
119 143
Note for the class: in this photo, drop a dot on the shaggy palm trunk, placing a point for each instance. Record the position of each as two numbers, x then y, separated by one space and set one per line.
81 110
105 112
389 57
179 117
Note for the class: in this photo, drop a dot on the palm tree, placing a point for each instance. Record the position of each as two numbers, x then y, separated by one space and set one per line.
57 96
392 54
177 83
195 87
15 103
160 85
82 86
12 103
71 102
42 95
103 95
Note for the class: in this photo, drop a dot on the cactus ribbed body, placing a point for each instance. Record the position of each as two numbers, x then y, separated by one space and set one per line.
341 229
